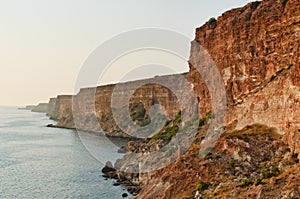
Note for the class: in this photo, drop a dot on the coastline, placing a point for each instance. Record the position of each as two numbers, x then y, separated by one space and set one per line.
254 92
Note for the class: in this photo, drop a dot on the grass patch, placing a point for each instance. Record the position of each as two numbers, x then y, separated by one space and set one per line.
167 134
266 172
253 131
270 172
257 181
177 119
246 183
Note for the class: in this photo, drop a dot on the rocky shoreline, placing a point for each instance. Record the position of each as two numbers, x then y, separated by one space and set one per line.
124 179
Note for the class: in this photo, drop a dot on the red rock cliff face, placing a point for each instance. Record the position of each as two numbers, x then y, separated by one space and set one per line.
252 43
256 49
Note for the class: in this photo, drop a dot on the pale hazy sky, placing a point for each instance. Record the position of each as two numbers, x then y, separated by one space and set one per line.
43 43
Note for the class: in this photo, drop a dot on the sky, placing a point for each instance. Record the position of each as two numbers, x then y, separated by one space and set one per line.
43 44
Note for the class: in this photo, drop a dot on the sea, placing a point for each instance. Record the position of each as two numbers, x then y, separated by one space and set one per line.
41 162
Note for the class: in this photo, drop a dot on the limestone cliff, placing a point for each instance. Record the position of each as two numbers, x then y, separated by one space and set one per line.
60 110
92 108
256 50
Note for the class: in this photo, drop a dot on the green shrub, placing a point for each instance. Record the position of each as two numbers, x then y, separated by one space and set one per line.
170 129
211 21
269 172
167 134
202 186
170 132
275 171
231 163
204 120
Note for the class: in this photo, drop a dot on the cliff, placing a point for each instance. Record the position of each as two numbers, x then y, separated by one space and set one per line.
92 108
51 108
40 108
256 50
60 110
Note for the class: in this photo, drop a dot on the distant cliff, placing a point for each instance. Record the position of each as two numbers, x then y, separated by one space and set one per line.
40 108
92 107
60 110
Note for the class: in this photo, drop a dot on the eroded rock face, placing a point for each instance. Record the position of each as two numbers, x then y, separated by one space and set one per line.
251 154
256 49
252 43
275 105
97 109
62 111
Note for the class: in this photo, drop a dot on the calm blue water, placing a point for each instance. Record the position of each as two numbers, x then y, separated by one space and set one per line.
40 162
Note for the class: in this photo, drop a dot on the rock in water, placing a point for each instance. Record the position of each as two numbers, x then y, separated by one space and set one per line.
122 149
108 168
